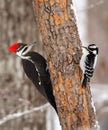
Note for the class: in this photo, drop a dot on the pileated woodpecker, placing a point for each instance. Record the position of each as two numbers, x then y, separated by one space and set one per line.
35 67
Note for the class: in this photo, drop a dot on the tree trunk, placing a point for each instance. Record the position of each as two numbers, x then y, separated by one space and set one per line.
59 32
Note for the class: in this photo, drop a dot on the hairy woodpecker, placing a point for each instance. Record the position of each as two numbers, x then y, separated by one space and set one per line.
35 67
88 62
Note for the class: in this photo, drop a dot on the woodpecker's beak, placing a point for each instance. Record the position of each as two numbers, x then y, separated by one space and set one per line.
85 47
32 44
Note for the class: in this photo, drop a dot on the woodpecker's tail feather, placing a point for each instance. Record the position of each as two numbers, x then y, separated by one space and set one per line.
84 82
54 105
49 94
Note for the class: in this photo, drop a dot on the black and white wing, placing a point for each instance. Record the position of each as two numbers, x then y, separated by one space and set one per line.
37 71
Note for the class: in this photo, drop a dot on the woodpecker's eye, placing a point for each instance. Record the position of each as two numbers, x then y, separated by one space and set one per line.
20 48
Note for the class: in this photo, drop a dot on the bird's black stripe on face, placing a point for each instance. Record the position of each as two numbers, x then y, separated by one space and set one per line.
25 48
92 46
22 45
93 50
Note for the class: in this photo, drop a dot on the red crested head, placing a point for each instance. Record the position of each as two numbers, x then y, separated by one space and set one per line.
13 48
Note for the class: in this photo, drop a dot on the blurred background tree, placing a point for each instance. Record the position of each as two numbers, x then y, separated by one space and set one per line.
98 33
17 23
17 93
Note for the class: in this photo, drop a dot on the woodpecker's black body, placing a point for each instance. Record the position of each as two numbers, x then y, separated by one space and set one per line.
89 70
35 67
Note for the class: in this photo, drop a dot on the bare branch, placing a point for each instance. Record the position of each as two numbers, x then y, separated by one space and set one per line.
19 114
98 3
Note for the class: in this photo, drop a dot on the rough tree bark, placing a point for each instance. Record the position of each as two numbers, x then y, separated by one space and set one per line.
62 45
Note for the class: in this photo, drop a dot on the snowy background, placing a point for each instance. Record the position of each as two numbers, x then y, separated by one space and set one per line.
17 23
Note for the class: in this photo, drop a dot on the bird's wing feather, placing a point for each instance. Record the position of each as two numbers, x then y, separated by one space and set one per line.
32 74
36 69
